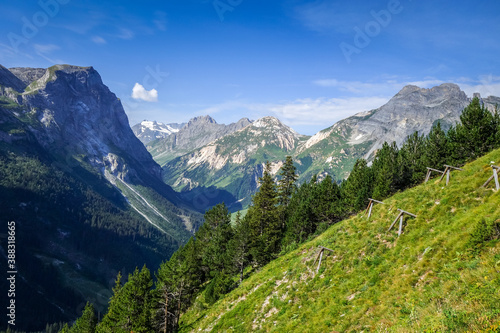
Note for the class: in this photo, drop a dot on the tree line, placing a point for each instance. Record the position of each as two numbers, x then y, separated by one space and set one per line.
281 216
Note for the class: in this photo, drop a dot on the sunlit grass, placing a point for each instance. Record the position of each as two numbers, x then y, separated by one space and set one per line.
432 278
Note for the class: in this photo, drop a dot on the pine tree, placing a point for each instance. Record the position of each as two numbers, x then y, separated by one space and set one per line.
65 329
179 280
286 187
131 305
385 171
357 188
475 134
326 205
215 234
87 322
239 246
410 161
287 183
436 148
265 226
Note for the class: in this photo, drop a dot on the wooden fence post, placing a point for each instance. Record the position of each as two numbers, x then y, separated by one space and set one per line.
447 172
370 206
494 176
400 218
429 171
320 256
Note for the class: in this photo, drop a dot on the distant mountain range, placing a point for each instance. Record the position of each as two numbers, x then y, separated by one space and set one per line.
147 131
87 198
232 162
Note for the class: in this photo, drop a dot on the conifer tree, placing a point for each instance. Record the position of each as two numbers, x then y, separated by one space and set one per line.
239 246
287 183
357 188
411 163
436 148
179 279
475 134
131 305
215 234
87 322
385 169
264 221
65 329
286 187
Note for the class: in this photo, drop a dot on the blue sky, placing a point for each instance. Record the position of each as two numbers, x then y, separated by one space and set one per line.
310 63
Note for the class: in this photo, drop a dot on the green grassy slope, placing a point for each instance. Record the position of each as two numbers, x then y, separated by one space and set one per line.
434 278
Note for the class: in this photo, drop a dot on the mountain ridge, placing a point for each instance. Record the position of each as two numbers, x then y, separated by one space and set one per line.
86 195
332 151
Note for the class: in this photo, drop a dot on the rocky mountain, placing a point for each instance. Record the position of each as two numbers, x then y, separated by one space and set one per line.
87 198
335 149
198 132
234 162
147 131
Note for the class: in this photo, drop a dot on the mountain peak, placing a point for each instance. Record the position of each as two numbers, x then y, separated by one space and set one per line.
267 121
201 120
442 89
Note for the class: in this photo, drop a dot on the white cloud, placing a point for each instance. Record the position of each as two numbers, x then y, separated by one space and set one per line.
126 33
45 48
160 20
486 85
324 111
386 88
99 40
302 112
139 92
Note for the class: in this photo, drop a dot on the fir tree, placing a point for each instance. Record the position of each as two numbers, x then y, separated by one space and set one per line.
239 246
357 188
131 305
287 183
436 148
411 162
286 187
264 220
385 171
215 234
475 134
87 322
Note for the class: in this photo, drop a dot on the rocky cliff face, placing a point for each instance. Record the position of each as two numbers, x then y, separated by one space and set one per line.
79 115
78 120
87 197
412 109
196 133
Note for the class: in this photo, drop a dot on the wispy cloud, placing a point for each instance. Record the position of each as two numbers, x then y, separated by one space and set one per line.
44 51
486 85
45 48
160 20
327 16
98 40
302 112
140 93
383 87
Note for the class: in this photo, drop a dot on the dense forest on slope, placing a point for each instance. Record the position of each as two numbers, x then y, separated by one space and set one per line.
282 216
74 231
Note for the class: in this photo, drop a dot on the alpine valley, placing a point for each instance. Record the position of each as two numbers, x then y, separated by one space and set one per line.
90 196
232 162
85 195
